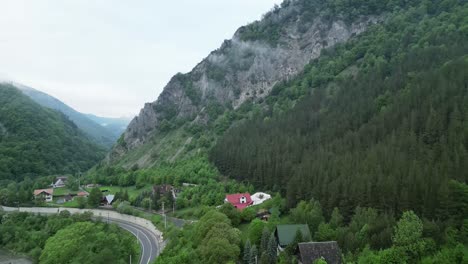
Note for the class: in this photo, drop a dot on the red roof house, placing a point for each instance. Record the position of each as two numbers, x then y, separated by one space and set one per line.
82 194
239 200
44 194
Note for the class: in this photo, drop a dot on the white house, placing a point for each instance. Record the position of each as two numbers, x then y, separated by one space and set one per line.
60 182
259 198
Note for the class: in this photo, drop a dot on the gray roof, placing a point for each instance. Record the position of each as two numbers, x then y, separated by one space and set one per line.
110 198
311 251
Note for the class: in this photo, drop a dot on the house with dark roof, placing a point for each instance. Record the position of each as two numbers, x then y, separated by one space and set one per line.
312 251
239 200
162 189
285 234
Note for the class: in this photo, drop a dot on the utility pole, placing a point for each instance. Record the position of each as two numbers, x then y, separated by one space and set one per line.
164 214
79 180
130 259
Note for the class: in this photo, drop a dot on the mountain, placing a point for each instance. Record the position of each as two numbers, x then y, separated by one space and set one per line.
351 103
115 125
379 122
99 134
241 72
35 140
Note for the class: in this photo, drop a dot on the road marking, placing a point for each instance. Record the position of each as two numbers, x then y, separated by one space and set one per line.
143 231
129 229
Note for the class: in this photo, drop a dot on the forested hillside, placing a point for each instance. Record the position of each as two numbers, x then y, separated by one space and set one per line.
42 238
381 122
99 134
35 140
196 107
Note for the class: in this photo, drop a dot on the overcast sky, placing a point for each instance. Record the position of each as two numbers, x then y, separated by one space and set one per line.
109 57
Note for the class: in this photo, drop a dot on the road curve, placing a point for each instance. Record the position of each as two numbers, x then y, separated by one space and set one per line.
149 238
148 243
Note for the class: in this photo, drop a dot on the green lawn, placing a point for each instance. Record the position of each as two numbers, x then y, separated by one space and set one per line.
73 203
63 191
133 192
189 213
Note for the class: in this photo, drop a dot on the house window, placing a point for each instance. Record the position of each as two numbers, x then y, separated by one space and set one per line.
243 200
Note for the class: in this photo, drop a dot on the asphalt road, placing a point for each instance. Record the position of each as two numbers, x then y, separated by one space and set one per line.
148 241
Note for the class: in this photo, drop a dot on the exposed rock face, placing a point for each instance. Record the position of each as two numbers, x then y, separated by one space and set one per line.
238 71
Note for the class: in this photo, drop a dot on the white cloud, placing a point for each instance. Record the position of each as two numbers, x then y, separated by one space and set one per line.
109 57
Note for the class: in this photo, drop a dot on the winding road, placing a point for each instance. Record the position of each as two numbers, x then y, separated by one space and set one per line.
148 236
148 243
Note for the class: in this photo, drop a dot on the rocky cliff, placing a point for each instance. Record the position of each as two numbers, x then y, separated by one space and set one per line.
243 68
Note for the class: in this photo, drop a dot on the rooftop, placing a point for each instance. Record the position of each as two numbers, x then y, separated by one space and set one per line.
47 191
312 251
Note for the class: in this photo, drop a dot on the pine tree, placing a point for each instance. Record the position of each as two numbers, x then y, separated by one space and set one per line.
272 249
264 240
247 251
253 255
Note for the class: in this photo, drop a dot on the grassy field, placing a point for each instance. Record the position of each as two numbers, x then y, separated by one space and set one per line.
133 192
72 204
63 191
189 213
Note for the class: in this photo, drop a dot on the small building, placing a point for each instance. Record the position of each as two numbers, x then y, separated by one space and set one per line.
260 197
60 182
311 251
108 199
239 200
82 194
64 199
285 234
45 195
264 214
162 189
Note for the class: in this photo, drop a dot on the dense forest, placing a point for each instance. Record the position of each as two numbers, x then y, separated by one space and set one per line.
39 141
368 146
65 238
378 122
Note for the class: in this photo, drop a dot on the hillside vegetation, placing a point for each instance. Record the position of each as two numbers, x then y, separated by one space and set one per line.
381 121
368 145
89 124
35 140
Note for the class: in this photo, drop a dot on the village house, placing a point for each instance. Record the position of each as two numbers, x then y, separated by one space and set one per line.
60 182
45 195
163 189
263 214
64 199
107 200
310 252
285 234
239 200
82 194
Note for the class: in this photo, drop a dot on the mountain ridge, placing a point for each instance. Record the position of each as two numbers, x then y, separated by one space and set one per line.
241 70
39 141
98 133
